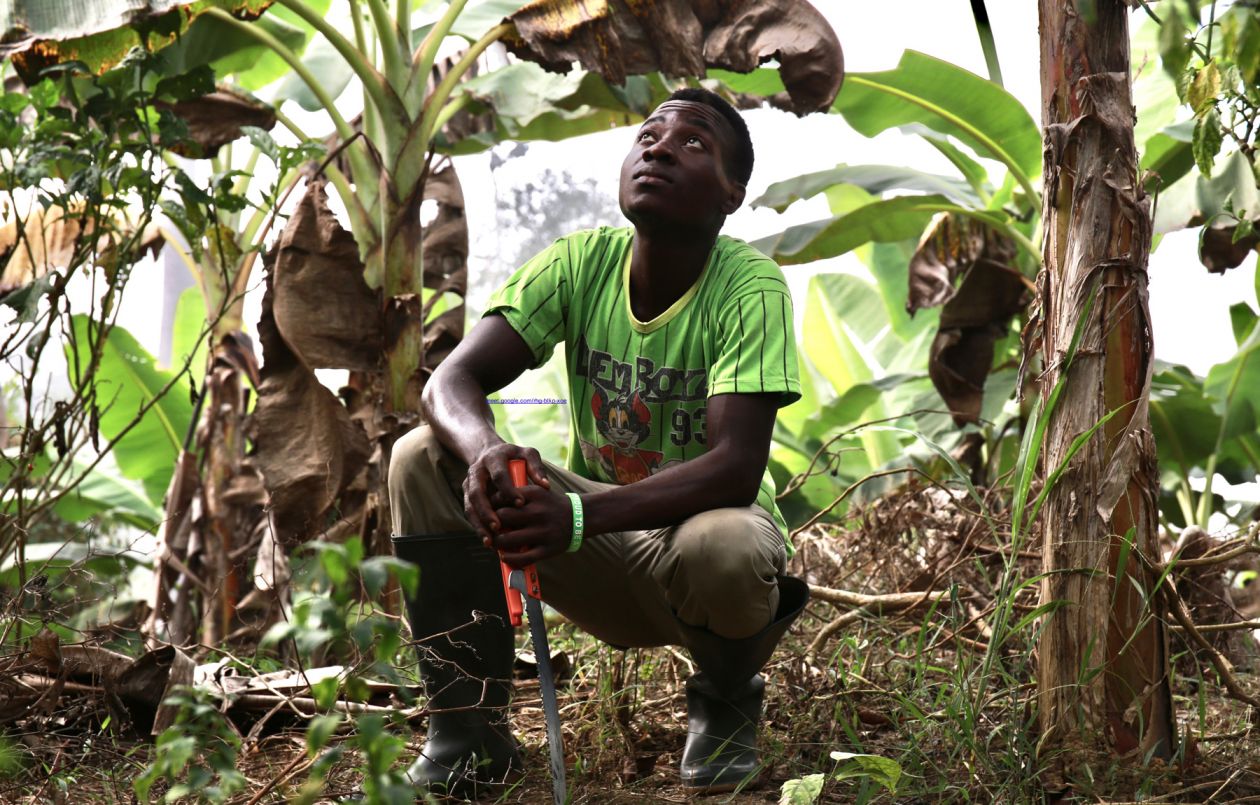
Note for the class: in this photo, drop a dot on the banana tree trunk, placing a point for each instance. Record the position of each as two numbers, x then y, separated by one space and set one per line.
1103 679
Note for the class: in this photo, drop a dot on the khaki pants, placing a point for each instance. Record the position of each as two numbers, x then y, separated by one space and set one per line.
715 570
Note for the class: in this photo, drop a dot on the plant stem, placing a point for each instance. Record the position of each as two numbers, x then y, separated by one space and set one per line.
317 89
374 83
437 100
390 39
427 52
402 18
985 31
356 19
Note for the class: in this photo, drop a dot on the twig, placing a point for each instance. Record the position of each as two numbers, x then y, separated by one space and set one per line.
1248 546
865 605
1236 626
1222 665
849 491
285 773
308 707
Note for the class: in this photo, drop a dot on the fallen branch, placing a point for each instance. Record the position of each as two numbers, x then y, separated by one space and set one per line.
307 706
864 605
1222 665
876 603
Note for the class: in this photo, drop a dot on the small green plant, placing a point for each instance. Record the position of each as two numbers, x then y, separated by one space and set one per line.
196 755
337 613
880 770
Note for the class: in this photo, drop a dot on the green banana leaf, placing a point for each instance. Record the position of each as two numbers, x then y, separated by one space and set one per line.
1169 155
874 179
1194 199
127 380
841 313
105 490
231 52
884 221
948 99
530 103
1183 420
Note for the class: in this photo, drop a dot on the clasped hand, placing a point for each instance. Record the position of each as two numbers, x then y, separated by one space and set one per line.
526 523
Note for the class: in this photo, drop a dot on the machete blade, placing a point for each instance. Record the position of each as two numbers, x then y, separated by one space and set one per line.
547 685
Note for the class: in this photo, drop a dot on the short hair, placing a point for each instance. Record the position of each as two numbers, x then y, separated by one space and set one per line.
739 163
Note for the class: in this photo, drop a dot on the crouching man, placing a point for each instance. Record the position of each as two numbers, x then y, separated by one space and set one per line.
663 530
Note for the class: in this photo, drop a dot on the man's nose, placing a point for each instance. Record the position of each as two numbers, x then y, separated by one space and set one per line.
659 149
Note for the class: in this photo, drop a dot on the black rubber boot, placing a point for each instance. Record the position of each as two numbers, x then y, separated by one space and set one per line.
724 699
460 619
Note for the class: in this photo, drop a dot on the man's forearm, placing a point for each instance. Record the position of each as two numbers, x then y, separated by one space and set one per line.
711 481
455 405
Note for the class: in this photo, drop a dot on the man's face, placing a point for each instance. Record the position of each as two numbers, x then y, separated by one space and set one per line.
675 173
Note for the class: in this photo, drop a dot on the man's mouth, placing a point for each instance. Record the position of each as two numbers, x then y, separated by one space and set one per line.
650 177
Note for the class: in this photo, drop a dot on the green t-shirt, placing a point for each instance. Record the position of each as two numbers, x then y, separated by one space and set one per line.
638 391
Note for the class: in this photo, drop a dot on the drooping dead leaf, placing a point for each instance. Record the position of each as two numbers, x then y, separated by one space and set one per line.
34 244
37 240
323 309
1221 248
949 246
616 38
306 446
215 119
975 314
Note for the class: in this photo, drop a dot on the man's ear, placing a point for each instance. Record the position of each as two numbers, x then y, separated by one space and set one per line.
734 197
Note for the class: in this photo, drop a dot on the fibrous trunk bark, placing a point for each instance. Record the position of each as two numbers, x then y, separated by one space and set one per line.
1103 677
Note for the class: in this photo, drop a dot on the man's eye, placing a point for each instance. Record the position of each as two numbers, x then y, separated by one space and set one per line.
695 140
643 135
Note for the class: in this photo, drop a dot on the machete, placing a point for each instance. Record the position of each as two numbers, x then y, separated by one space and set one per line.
523 582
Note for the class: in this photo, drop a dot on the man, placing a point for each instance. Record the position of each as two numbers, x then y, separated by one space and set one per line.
664 530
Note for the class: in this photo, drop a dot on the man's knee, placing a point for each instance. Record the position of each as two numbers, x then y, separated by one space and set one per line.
415 454
724 543
723 569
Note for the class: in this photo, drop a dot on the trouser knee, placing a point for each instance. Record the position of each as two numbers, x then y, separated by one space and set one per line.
722 569
424 493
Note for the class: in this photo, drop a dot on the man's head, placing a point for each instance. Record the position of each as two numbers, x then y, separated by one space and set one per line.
689 165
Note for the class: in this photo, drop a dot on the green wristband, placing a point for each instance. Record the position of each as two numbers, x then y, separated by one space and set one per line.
579 522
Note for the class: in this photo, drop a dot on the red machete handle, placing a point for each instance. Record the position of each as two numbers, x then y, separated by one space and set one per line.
515 606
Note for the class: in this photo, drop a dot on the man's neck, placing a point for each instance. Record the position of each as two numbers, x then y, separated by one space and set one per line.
662 268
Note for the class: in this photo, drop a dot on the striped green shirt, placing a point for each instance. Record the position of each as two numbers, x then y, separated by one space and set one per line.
639 391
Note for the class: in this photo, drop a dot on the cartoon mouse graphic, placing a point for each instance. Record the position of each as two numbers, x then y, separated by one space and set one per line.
625 422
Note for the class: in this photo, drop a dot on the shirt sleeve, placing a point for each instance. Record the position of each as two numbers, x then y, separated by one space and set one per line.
535 299
756 346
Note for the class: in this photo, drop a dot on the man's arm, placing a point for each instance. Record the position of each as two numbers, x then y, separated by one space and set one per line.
729 474
454 403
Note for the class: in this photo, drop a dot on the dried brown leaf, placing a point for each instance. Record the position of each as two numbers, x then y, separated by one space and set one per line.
36 244
214 120
324 310
1219 251
617 38
975 314
306 445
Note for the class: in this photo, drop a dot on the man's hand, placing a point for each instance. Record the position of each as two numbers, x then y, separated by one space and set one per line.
488 485
538 527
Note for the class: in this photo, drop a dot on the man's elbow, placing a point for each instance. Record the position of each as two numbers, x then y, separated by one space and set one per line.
743 489
432 391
